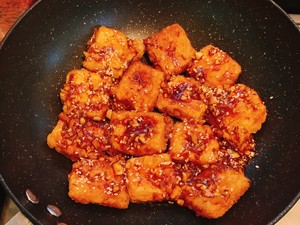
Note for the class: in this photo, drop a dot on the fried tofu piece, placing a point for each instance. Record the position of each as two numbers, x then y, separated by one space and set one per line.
152 178
181 98
80 137
86 94
236 113
109 51
170 50
138 88
99 181
214 67
214 191
140 133
195 143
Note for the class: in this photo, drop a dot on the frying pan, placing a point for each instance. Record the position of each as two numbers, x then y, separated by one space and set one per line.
49 41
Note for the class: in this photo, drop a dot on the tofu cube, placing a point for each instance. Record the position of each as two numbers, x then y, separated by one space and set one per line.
181 98
86 94
236 113
80 137
170 50
138 88
195 143
109 51
140 133
151 178
97 182
214 191
214 67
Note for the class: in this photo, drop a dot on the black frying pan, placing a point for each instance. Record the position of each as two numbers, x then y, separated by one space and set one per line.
48 42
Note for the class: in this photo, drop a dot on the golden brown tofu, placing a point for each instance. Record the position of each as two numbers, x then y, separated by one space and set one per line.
99 181
86 94
138 88
170 50
117 108
214 191
236 113
195 143
214 67
181 98
140 133
80 137
152 178
109 51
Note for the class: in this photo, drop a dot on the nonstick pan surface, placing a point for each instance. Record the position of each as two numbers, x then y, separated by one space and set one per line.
49 41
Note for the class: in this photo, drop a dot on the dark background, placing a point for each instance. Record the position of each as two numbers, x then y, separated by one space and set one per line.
290 6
